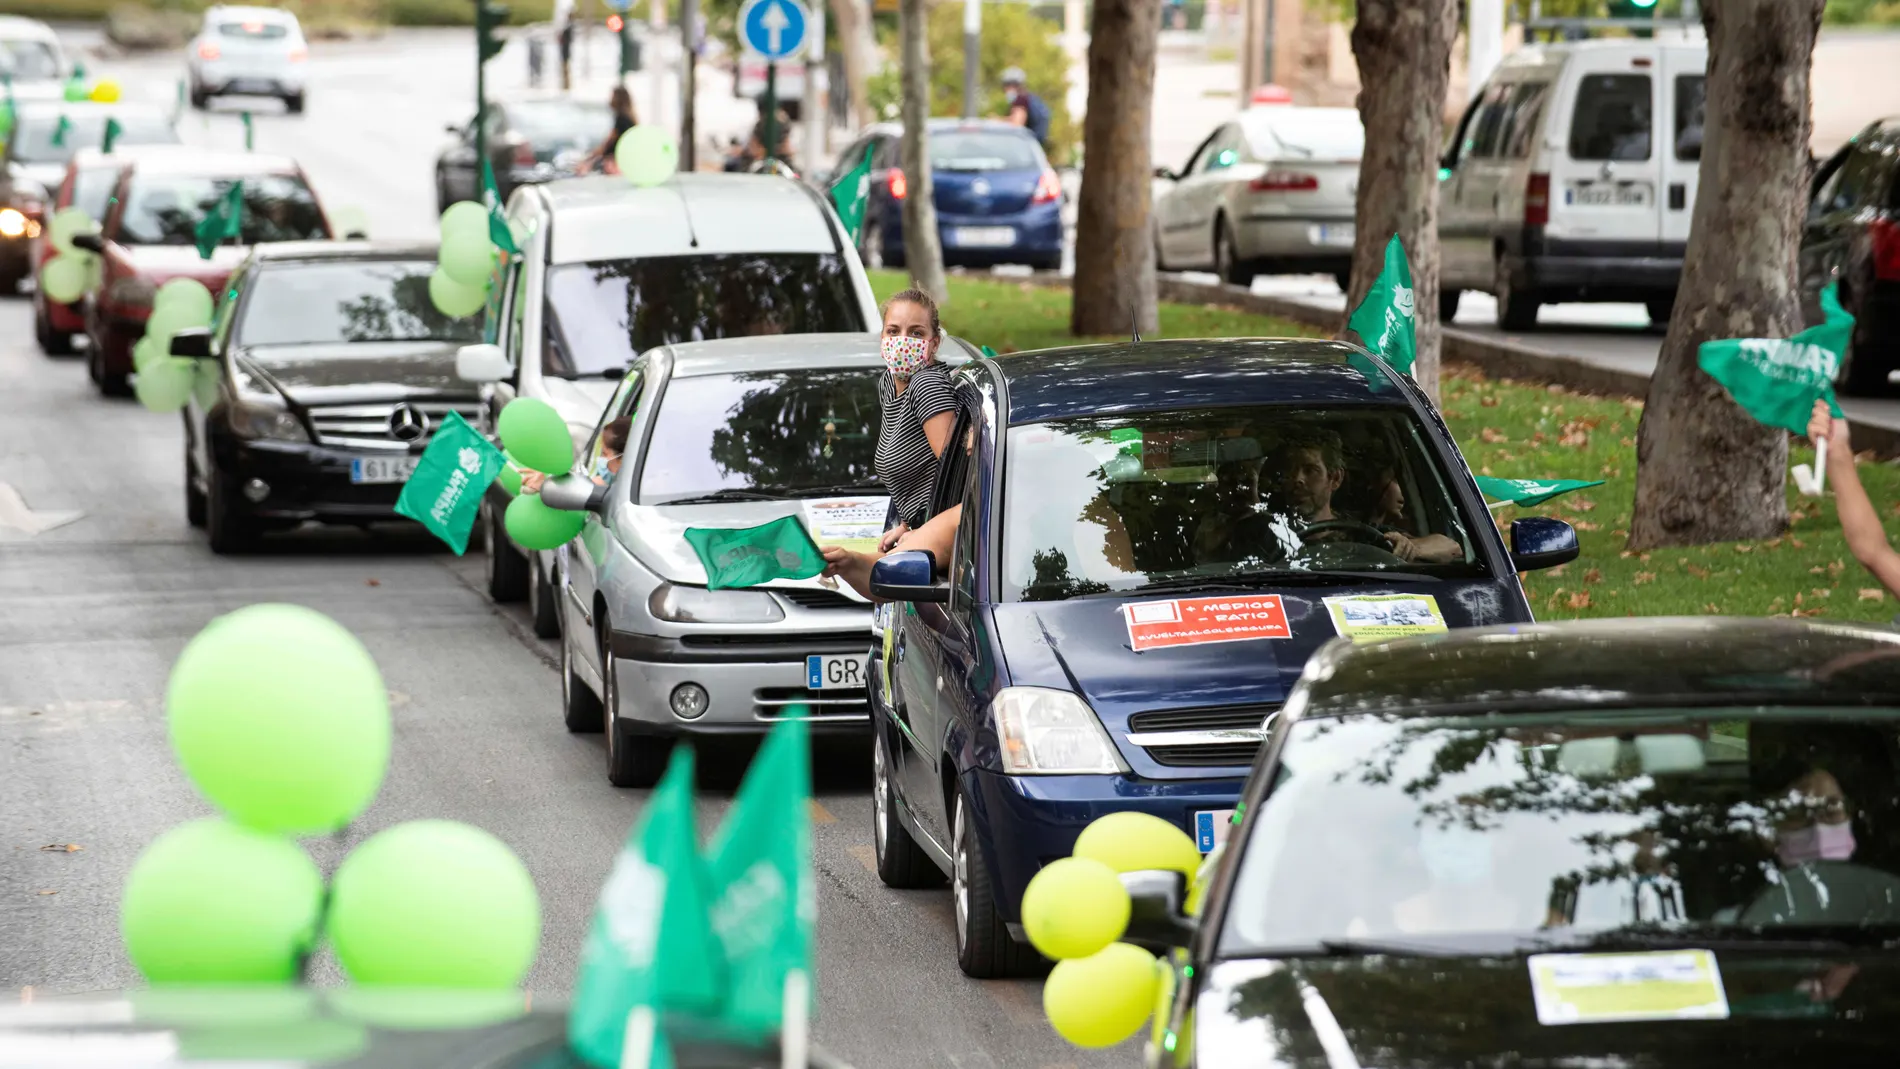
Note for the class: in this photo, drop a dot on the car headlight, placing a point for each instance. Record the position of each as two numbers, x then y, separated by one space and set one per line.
697 605
1050 732
12 223
256 413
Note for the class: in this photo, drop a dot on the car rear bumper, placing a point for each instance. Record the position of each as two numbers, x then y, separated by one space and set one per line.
970 240
1598 270
1297 244
306 482
263 80
751 683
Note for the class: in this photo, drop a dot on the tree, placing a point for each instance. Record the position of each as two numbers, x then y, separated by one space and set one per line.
1705 470
923 250
1404 53
857 46
1114 241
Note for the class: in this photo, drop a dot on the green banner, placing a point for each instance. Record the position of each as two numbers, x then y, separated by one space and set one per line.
222 223
1385 321
1777 380
498 231
111 136
748 556
851 192
1528 492
445 491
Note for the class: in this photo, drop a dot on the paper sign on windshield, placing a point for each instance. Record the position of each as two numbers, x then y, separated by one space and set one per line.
1193 621
854 523
1667 985
1371 617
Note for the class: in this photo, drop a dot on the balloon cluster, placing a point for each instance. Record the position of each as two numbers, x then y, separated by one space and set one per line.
280 718
465 269
165 382
72 271
536 439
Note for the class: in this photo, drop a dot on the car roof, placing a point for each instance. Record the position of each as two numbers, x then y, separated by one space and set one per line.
1088 380
80 107
942 125
276 252
21 28
776 352
605 217
245 11
191 159
91 158
1698 661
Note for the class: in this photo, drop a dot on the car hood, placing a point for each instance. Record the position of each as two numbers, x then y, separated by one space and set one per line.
1425 1013
47 176
383 371
656 535
162 263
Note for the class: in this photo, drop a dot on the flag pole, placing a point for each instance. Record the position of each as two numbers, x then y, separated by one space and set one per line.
636 1050
1820 467
795 1027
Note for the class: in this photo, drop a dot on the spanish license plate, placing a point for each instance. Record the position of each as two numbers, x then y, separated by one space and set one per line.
1210 828
1339 234
381 469
1609 195
987 237
836 671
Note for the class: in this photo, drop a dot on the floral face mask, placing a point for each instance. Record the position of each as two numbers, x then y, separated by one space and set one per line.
903 354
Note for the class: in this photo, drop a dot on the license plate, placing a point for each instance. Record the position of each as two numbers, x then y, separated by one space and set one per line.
985 236
381 469
1609 195
1332 234
835 671
1210 828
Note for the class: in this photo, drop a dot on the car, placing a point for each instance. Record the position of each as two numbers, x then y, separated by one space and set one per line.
255 51
1851 234
1558 184
149 236
46 135
611 270
1519 825
998 200
1271 191
1153 539
335 369
530 139
86 185
31 59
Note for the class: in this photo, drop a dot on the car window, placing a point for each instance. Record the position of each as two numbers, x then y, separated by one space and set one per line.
346 302
165 209
1454 145
253 30
1482 142
848 159
1302 134
1858 179
28 61
806 433
619 407
1197 161
1223 152
984 150
39 137
1691 113
517 314
1611 119
964 549
1524 114
92 190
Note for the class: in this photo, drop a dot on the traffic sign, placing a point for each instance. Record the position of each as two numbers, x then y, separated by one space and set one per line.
622 6
774 29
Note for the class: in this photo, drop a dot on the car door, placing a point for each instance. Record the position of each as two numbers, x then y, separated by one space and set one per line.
1203 193
1518 142
579 562
1480 177
197 415
1684 86
1603 181
1453 223
1172 211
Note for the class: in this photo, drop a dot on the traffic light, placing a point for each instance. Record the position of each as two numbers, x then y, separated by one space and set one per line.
489 17
1632 9
614 23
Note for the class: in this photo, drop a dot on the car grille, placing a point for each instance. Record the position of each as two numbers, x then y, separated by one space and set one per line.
798 703
810 598
1183 751
368 425
815 640
1219 755
1225 719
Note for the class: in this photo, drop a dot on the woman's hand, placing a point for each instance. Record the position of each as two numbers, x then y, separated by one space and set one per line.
889 539
851 566
531 482
1823 427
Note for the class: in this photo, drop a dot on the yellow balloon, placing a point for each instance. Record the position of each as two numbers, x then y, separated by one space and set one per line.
106 92
1101 1000
1131 842
1074 907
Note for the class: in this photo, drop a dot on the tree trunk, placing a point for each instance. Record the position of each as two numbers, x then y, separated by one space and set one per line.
923 252
1706 471
1114 240
856 48
1404 52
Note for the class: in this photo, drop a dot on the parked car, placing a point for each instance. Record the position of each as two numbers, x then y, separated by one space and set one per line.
998 201
46 135
252 51
149 236
1559 184
530 139
1153 539
610 271
1271 191
86 185
1522 825
1852 235
31 59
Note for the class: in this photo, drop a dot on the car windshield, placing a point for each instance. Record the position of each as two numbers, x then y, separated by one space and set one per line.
28 61
40 137
1573 828
1305 133
165 209
92 190
346 301
983 150
1119 503
602 314
777 433
547 123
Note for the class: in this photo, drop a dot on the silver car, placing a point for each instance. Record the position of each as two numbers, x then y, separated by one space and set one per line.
1271 191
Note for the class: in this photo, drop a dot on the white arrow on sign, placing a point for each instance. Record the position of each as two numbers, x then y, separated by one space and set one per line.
775 22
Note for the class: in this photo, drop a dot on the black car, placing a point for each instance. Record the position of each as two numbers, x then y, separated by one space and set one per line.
1657 842
1852 234
530 139
336 369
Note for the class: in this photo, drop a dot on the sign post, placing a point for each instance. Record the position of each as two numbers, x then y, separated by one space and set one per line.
775 30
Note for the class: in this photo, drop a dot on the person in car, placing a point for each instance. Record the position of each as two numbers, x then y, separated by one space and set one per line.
613 440
1387 513
1236 497
919 408
933 537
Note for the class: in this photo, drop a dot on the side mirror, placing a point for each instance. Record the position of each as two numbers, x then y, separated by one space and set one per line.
1165 173
482 362
575 493
89 242
193 342
1540 542
356 235
1158 918
910 575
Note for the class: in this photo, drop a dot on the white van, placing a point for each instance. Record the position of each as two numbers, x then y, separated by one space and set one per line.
1572 177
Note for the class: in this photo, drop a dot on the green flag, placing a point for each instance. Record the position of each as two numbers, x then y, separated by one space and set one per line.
1384 320
651 943
764 905
1777 380
250 131
222 223
851 192
498 231
748 556
60 129
445 491
1529 492
113 130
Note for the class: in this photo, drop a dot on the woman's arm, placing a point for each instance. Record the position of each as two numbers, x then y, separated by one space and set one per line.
854 567
937 430
1866 539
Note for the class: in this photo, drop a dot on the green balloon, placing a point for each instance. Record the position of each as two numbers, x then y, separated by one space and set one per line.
318 1041
212 902
145 351
64 279
66 224
76 91
164 385
453 299
531 523
468 258
464 217
434 903
188 1005
646 156
510 480
188 295
279 715
168 319
424 1009
534 433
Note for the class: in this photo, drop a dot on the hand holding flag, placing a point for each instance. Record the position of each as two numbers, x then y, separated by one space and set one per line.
1779 380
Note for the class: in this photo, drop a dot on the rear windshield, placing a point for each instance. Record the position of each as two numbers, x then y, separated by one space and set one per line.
602 314
1611 120
560 122
92 190
354 301
28 61
784 433
254 31
165 209
1327 134
984 150
41 137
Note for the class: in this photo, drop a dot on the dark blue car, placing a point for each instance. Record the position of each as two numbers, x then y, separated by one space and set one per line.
998 200
1153 539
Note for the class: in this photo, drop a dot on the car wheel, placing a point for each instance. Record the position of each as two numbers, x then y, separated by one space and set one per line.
1517 309
580 707
1227 262
544 611
1659 312
195 504
229 529
984 947
294 103
111 384
1448 304
900 861
52 342
1343 280
200 98
633 760
507 568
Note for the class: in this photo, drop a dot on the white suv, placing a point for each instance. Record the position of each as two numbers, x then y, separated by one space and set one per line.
257 51
1572 177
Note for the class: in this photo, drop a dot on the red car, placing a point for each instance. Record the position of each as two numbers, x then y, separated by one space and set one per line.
150 237
87 185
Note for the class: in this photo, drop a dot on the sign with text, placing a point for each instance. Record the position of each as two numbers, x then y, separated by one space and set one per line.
1195 621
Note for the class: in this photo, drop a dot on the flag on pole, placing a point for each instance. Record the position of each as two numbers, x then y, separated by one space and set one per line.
444 493
1385 320
748 556
250 131
111 137
498 231
224 222
1777 380
60 129
1526 493
851 192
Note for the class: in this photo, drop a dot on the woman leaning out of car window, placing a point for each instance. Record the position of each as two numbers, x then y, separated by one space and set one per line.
918 405
613 439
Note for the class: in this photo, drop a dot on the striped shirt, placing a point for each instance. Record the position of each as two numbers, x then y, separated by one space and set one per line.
904 461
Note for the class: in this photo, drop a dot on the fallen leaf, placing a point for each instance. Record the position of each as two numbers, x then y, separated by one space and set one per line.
1775 605
1579 600
1627 554
1556 388
49 892
372 582
1872 593
1712 609
1744 547
1796 542
1798 599
1490 400
1816 611
1696 570
1820 593
1835 568
1643 577
1557 571
1579 504
1586 525
1817 570
1539 438
1628 442
1493 435
63 848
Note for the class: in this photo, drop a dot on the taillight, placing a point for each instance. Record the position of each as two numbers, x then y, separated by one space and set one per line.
299 54
1048 188
1285 182
895 180
207 50
1886 240
524 155
1537 200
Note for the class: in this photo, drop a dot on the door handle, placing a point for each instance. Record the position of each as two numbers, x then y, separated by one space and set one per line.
1678 196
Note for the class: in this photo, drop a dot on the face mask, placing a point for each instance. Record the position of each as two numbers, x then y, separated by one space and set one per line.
1013 94
1456 856
903 354
1818 842
601 470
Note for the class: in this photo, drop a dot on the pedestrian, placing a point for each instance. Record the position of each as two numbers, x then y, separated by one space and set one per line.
1866 539
620 102
564 31
918 405
1026 108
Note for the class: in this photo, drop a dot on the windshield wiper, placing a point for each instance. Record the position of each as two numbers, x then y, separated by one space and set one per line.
1767 941
723 495
1284 577
826 491
1356 948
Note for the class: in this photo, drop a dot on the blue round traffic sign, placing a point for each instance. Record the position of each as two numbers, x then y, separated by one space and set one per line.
621 6
775 29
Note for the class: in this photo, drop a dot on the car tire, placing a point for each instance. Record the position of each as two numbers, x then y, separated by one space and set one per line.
901 862
1517 308
1659 312
544 610
1448 305
293 103
633 759
580 707
1227 262
1343 279
507 568
52 342
985 949
200 97
196 507
228 529
111 384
